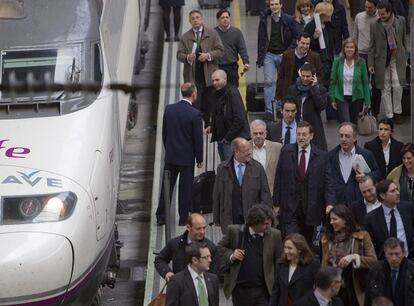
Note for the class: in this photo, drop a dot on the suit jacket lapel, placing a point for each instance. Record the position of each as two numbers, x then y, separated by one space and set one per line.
210 289
190 285
268 154
336 166
383 223
296 275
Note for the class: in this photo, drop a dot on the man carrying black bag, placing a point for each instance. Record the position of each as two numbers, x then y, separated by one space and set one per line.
182 135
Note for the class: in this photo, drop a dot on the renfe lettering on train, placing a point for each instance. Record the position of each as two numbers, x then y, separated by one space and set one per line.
13 152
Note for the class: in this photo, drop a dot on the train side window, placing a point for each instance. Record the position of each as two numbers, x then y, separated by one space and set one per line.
97 63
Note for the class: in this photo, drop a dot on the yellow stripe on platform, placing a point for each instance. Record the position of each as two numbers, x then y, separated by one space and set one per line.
236 23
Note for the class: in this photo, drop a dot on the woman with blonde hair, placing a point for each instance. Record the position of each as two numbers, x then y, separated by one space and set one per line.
295 271
303 13
349 87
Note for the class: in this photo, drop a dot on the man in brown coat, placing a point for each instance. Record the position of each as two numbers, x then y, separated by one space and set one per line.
240 183
292 60
199 49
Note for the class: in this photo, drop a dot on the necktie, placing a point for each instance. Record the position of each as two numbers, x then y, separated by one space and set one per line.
393 280
240 174
287 135
393 225
202 293
302 164
198 35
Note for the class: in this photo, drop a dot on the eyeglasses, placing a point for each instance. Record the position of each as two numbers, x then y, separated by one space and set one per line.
205 257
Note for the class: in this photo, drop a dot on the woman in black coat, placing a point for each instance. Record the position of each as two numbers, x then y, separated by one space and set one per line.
166 12
295 272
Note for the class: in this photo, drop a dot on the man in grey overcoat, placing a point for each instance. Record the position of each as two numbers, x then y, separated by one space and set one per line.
387 58
199 49
240 183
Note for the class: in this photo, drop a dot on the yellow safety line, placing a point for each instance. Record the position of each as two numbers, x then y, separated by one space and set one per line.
236 23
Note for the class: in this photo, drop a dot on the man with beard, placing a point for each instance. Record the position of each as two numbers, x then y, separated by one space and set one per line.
311 99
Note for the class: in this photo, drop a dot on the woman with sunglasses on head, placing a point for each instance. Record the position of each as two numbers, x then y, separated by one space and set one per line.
345 245
295 271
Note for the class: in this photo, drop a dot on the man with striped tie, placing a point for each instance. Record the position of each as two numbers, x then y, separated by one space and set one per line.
194 285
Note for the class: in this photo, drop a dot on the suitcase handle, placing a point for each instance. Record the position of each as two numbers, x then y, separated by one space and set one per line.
214 155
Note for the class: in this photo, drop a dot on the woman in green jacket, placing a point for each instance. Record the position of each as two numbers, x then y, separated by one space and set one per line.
349 88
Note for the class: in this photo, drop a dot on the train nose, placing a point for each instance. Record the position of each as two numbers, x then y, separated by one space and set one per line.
34 267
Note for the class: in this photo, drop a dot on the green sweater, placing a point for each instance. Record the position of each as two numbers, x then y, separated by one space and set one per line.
360 87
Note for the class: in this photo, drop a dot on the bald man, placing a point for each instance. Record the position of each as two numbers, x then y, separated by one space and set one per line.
227 119
175 249
240 183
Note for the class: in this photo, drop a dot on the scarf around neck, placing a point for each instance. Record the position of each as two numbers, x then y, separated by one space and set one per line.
302 87
390 29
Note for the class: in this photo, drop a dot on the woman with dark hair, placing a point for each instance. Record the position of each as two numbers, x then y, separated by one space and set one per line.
403 175
295 271
345 245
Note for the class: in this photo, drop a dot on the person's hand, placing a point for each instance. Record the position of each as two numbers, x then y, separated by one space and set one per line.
246 67
328 209
168 276
346 260
334 105
207 130
314 80
191 58
359 176
238 254
203 57
371 70
316 34
199 165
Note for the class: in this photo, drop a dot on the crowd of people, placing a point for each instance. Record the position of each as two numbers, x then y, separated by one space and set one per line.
302 225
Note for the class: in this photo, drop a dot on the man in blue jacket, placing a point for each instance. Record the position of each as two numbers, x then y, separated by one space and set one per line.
182 135
277 33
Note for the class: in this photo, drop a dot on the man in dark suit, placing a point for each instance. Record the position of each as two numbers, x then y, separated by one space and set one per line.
393 277
328 282
385 148
341 158
292 60
392 219
360 208
182 135
240 183
174 251
251 258
194 285
284 131
303 186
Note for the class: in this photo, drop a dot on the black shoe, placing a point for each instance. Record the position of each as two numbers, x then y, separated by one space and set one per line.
160 222
176 38
168 38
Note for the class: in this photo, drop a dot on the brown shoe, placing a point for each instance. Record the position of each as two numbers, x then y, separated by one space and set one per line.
398 119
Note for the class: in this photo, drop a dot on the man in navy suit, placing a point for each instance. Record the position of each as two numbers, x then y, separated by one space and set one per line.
182 135
303 186
392 219
194 285
345 177
285 130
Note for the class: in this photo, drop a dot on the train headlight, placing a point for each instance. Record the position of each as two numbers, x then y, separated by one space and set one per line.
37 209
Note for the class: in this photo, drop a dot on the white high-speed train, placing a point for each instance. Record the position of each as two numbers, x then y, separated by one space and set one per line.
60 153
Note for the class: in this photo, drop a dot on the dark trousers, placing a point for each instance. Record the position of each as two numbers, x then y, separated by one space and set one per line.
375 93
166 12
232 71
242 296
348 110
184 191
205 101
298 225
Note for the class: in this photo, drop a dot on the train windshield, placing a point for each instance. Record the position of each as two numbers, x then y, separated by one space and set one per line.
60 65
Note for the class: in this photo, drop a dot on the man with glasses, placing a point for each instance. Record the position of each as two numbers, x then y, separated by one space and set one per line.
328 282
194 285
251 252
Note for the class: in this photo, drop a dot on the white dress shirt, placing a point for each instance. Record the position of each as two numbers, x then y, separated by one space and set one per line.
345 163
194 276
386 151
259 154
348 78
371 206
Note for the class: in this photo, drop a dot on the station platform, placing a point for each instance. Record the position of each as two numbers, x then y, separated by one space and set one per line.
171 79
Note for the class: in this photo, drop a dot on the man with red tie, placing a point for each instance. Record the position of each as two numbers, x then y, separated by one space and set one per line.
303 187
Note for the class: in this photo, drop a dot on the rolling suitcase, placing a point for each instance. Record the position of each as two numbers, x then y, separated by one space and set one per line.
255 96
203 185
209 4
255 7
